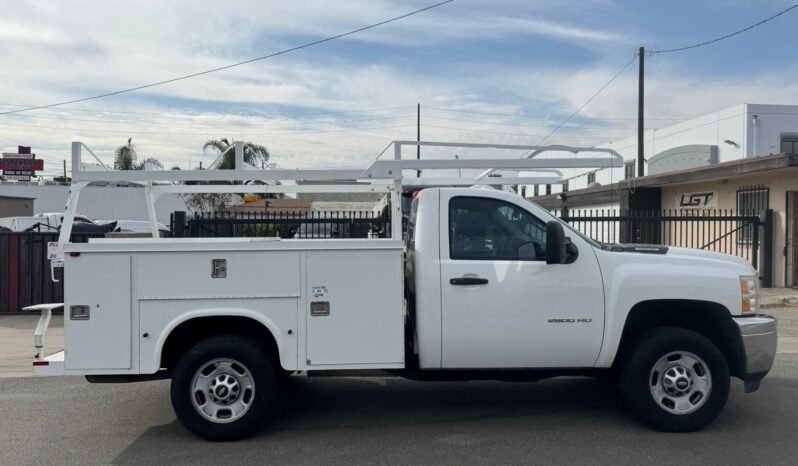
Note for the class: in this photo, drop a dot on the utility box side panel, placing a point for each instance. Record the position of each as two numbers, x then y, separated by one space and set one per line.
218 274
175 287
158 317
354 310
97 312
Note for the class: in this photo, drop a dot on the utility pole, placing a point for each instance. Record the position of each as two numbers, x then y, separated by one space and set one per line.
641 158
418 136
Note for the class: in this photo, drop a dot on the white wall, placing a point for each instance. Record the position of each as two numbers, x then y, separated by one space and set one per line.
773 122
100 202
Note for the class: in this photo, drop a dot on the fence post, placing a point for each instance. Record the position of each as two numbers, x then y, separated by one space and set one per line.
766 271
179 224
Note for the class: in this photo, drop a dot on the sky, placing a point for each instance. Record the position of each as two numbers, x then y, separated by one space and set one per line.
503 71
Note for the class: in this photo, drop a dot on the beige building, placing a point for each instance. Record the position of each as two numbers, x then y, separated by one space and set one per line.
13 206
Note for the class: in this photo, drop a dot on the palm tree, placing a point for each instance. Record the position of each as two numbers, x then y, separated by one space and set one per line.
125 158
254 154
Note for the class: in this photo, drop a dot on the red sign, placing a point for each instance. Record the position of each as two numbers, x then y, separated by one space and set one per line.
21 164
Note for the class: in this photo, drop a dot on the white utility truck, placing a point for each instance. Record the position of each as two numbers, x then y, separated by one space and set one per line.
484 285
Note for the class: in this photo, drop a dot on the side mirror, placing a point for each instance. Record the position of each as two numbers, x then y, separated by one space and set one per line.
559 248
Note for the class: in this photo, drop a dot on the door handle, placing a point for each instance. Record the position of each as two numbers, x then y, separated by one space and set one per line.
469 281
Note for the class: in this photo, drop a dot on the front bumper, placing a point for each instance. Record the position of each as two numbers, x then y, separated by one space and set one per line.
758 337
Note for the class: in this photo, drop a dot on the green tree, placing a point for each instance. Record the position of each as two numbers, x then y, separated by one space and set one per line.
254 154
126 158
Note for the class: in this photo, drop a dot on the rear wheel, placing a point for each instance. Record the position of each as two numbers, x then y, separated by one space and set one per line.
675 380
223 388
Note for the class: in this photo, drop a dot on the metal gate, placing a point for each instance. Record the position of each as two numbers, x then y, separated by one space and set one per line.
25 271
748 236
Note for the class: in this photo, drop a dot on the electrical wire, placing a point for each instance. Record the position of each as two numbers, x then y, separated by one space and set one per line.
587 102
194 115
233 65
539 117
727 36
237 123
468 130
163 133
528 126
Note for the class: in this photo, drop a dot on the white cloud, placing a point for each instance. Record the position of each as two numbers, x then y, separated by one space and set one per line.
64 50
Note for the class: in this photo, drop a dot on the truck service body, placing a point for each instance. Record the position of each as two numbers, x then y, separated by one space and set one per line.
484 285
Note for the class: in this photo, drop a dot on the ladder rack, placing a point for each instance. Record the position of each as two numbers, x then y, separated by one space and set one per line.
382 176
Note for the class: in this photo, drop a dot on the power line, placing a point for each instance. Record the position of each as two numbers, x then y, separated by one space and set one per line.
590 99
718 39
164 133
193 115
528 126
237 123
539 117
226 67
468 130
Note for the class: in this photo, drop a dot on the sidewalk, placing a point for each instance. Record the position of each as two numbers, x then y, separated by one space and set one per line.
16 343
779 297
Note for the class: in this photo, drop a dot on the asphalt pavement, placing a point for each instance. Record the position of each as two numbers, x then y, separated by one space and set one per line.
66 420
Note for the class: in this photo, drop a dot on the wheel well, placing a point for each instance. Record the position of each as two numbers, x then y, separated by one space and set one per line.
192 331
709 319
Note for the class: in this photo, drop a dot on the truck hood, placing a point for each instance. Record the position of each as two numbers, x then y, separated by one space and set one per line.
682 254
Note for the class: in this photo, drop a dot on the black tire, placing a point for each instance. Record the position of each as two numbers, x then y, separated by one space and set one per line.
637 379
261 374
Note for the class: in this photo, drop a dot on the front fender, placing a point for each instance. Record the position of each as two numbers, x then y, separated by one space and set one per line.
631 278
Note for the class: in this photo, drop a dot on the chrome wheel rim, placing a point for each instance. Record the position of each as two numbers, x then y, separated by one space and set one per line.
680 382
222 390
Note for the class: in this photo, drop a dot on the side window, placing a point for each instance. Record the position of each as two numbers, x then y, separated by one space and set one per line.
490 229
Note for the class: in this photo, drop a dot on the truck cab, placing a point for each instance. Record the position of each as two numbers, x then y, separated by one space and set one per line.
501 286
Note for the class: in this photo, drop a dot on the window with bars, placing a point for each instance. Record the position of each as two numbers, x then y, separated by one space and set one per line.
548 189
751 200
565 186
591 178
789 144
537 190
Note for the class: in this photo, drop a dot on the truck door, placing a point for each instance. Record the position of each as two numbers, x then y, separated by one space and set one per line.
502 305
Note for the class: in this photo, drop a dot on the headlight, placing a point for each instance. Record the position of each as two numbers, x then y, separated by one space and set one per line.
749 289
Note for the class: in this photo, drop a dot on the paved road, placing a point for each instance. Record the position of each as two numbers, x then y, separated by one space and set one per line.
345 421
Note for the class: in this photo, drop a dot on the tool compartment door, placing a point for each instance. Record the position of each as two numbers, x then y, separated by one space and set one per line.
354 308
101 339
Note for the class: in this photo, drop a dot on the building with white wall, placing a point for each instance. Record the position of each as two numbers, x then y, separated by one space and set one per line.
739 132
740 161
99 202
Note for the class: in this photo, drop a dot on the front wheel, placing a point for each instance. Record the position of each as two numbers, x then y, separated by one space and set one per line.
675 380
223 388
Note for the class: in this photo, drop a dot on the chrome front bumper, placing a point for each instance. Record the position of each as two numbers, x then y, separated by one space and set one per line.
758 336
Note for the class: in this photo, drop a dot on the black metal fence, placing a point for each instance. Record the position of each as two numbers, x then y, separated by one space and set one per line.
301 225
748 236
25 271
